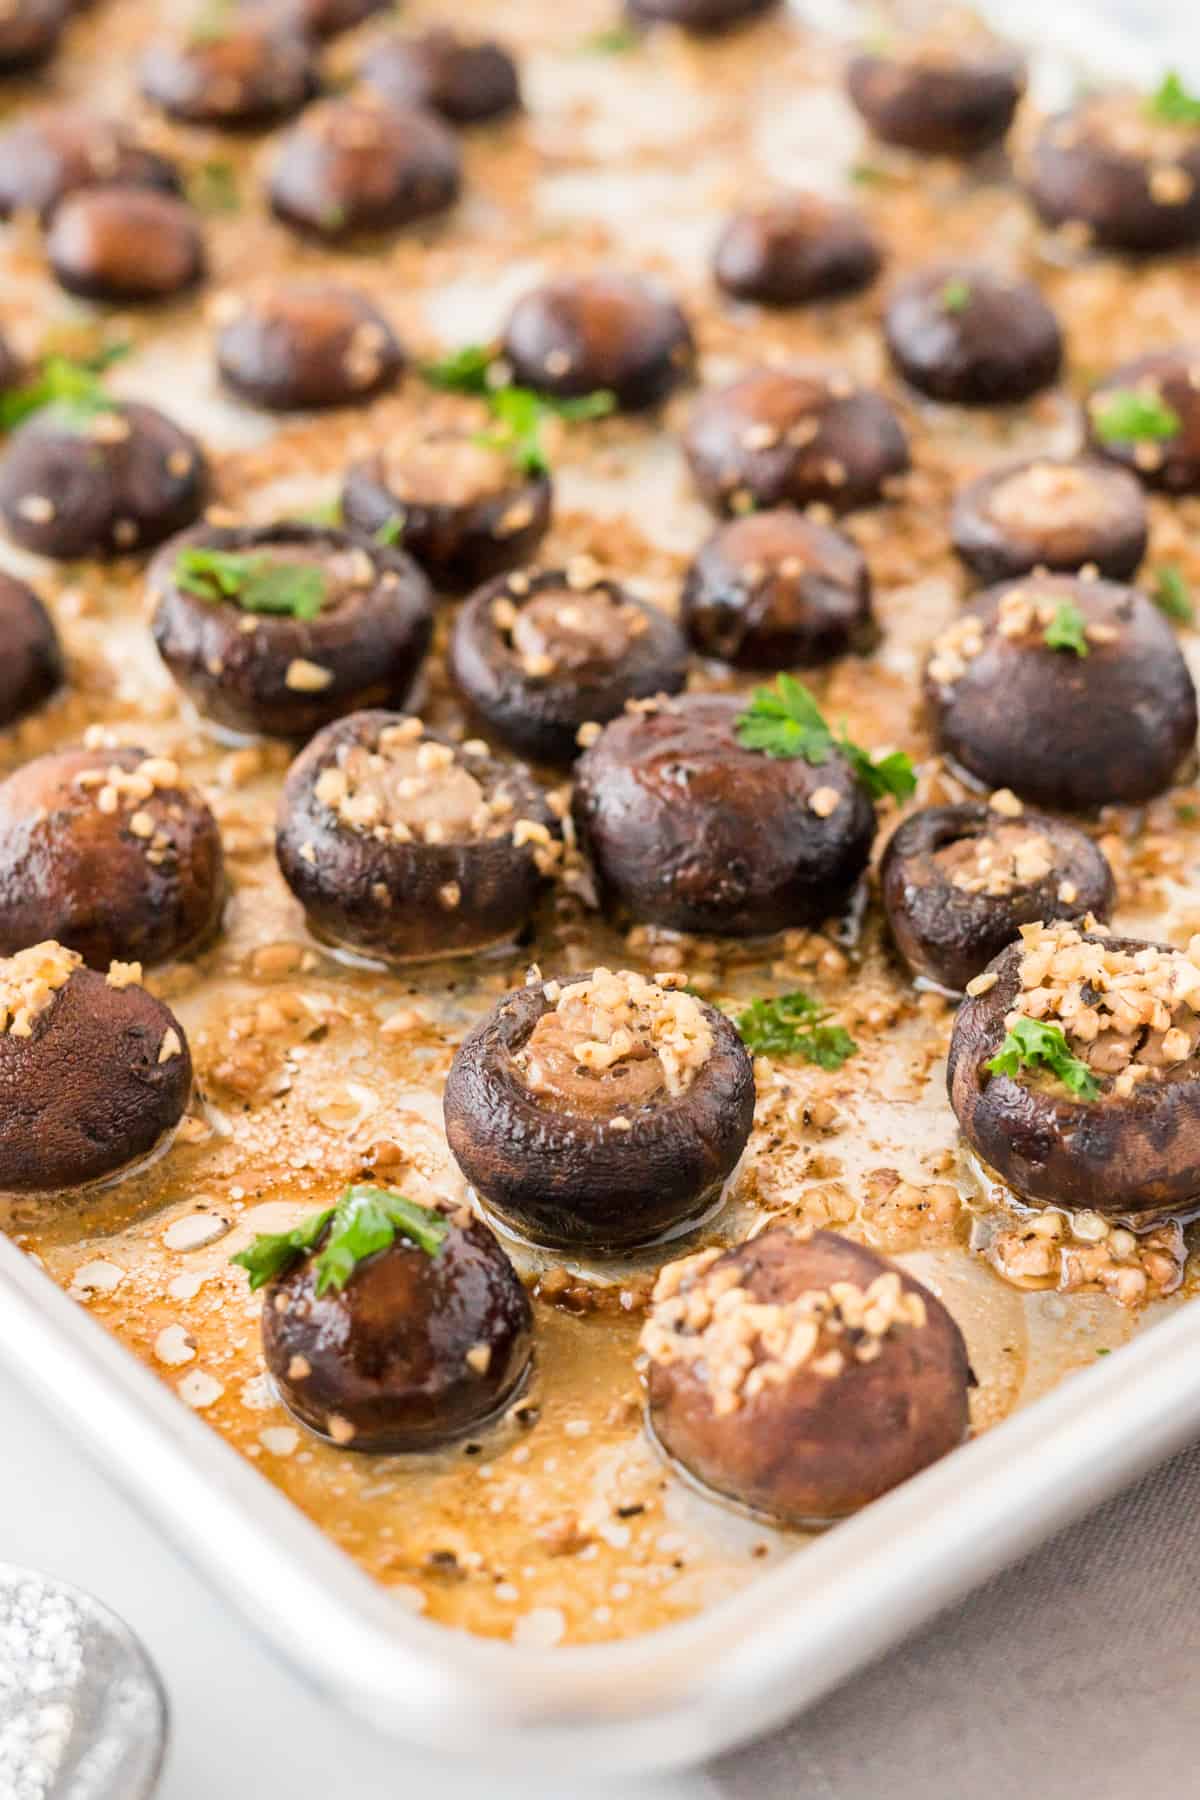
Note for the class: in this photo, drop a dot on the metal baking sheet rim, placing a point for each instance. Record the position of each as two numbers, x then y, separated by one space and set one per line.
672 1696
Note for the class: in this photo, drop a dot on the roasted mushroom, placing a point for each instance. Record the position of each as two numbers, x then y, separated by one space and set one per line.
701 16
1115 173
29 33
1146 415
950 91
55 150
801 1375
95 1074
600 1113
965 334
799 248
958 882
687 828
401 846
774 591
428 1338
125 244
309 344
459 507
467 80
250 70
32 665
323 18
355 165
1074 1071
581 334
279 629
1071 692
540 655
1054 514
99 483
778 437
112 852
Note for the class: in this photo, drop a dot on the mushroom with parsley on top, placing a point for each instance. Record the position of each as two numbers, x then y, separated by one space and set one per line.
968 335
1146 416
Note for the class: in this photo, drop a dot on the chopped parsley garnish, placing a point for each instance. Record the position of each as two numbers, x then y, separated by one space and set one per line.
1171 595
390 532
956 296
464 371
1067 630
364 1221
255 583
1132 416
794 1025
785 721
72 389
1172 103
213 187
868 174
613 42
1032 1045
520 413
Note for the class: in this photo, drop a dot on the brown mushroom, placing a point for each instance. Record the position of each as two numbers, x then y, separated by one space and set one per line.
125 244
948 91
1146 416
308 344
1051 513
52 151
1114 173
966 334
799 248
699 16
32 666
323 18
352 166
247 71
29 33
581 334
468 81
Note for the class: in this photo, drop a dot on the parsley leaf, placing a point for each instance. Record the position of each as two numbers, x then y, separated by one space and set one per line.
794 1025
1067 629
274 1251
212 187
1032 1045
1172 103
1131 416
956 296
613 42
464 371
71 388
255 583
519 412
1171 594
785 721
391 531
364 1221
867 174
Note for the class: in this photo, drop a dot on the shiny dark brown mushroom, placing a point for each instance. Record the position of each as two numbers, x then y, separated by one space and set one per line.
351 167
1130 1143
31 668
602 1113
252 70
1050 513
958 882
30 31
699 16
540 655
322 18
125 245
1112 720
799 248
111 853
99 483
400 846
938 93
467 80
52 151
774 591
1162 445
802 1375
580 334
777 437
271 669
304 345
95 1074
966 334
1114 175
687 828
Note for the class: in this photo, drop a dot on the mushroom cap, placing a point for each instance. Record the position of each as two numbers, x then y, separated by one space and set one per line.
1172 464
1078 173
951 106
798 248
125 244
260 68
579 334
29 33
348 166
51 151
465 80
1109 531
700 16
32 667
308 344
999 347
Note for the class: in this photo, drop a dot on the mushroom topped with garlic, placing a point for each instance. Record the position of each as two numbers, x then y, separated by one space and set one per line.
1071 692
1146 416
402 846
1053 514
355 165
1074 1070
275 630
801 1375
51 151
305 344
604 332
95 1074
949 90
232 69
602 1112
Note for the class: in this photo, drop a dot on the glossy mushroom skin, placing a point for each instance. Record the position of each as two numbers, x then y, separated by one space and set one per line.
53 151
1170 464
106 485
700 16
947 934
352 166
402 902
386 1356
567 1178
540 717
85 1095
772 590
31 668
307 345
29 33
235 666
125 245
1083 512
467 81
1124 182
258 69
1069 732
322 18
87 878
686 828
580 334
776 437
812 1448
1000 346
938 106
798 249
1115 1156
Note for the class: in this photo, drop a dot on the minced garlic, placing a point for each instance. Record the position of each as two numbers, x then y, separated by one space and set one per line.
28 983
613 1020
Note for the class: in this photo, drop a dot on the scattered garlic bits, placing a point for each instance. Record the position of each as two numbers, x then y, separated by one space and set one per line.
612 1021
1129 1014
998 862
701 1314
126 791
28 983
